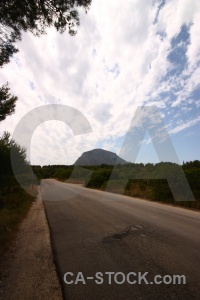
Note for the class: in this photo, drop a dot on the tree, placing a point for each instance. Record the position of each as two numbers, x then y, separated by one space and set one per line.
7 102
7 49
6 144
35 16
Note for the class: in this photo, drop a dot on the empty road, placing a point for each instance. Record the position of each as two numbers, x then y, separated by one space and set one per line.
94 231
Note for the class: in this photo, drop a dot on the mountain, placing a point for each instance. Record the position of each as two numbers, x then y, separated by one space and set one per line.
98 157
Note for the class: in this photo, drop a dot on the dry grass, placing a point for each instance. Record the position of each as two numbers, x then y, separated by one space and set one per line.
14 207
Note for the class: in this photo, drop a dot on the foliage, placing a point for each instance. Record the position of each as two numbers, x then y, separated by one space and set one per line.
14 202
6 145
35 16
62 173
8 183
192 172
96 181
7 102
144 181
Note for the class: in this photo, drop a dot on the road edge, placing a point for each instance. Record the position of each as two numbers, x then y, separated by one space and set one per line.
29 269
54 253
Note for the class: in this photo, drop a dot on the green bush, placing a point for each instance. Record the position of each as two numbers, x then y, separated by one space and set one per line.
14 201
96 181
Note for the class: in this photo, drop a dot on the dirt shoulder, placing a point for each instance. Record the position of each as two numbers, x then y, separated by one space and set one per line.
29 271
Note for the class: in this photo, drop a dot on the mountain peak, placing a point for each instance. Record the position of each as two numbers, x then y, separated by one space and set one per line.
98 157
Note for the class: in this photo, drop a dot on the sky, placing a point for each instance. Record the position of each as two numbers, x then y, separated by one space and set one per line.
126 54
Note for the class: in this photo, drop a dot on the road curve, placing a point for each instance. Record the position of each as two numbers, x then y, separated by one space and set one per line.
94 231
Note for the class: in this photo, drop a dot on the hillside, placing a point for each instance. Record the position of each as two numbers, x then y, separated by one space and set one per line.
98 157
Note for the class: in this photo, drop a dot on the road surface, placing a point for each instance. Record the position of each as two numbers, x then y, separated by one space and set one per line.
94 231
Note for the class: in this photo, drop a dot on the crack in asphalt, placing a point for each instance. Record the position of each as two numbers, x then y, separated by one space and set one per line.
136 230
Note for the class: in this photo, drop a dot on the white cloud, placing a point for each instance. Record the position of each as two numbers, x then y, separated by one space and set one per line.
176 13
184 126
116 62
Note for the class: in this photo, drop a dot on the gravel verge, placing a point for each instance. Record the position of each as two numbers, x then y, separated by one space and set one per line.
28 270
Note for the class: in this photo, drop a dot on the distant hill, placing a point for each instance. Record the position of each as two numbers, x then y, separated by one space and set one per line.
98 157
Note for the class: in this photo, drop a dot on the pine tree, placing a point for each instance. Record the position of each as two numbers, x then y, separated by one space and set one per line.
35 16
7 102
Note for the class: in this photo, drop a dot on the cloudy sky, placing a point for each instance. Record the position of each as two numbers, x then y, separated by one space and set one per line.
126 54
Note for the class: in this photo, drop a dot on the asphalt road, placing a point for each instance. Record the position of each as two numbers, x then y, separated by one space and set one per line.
94 231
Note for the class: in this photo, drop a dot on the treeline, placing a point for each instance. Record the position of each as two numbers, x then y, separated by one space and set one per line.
136 180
